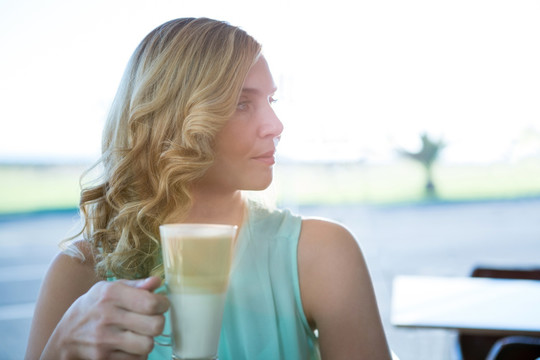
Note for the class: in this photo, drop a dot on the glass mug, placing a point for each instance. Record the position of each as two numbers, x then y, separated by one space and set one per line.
197 261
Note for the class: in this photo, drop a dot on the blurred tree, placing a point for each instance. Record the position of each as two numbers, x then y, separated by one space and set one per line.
426 156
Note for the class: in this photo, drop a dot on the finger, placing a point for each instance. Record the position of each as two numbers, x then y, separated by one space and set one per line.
120 355
148 325
150 284
138 300
135 344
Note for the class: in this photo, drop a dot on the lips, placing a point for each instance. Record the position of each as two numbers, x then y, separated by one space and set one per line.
267 157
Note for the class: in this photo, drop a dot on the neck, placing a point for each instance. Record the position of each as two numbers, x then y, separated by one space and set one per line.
216 208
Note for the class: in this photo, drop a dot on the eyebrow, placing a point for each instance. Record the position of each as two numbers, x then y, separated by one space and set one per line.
257 91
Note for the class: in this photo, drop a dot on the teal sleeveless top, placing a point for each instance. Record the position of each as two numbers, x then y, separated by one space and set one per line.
263 317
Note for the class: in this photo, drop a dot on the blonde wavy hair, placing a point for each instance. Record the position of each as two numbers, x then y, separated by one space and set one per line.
181 85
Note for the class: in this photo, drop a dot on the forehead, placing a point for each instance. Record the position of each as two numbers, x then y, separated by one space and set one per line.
259 78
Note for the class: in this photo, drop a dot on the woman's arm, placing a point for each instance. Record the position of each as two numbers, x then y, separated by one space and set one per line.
66 280
77 316
337 294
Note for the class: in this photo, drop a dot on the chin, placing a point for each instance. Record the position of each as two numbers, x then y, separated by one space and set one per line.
259 184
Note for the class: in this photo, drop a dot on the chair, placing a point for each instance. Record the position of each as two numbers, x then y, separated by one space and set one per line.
515 347
476 347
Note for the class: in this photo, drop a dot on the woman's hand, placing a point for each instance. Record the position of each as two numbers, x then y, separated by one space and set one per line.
113 320
79 317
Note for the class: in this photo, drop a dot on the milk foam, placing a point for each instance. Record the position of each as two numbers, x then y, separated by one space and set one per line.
203 263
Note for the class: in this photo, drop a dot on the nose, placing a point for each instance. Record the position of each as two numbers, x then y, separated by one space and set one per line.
271 125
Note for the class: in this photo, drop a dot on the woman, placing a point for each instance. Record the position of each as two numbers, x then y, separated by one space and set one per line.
191 127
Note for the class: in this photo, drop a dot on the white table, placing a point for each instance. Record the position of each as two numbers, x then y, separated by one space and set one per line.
470 305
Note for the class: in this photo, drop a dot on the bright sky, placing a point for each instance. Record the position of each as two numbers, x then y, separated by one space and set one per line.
357 78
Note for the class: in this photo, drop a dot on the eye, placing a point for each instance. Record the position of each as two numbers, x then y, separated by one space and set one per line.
242 105
272 100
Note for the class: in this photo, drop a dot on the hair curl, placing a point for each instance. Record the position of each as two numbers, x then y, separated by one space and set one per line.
180 86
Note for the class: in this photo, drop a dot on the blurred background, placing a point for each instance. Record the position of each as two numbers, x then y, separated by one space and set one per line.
416 124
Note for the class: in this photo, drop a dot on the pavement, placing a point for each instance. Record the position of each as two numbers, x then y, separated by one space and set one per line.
446 239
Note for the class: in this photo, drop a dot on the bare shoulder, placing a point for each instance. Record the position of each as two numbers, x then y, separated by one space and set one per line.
70 275
316 229
325 240
328 254
75 262
338 298
72 270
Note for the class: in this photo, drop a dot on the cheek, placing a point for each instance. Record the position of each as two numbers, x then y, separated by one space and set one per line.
234 142
229 151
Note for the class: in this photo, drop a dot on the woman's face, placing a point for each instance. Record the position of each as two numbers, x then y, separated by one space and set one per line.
245 147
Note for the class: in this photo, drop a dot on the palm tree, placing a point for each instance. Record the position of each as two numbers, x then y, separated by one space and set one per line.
426 156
